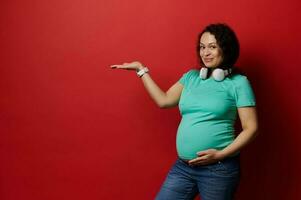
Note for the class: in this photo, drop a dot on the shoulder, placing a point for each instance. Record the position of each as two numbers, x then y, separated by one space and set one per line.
192 72
243 91
241 85
188 76
238 79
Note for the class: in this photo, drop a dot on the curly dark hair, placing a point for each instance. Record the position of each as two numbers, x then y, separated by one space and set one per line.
228 42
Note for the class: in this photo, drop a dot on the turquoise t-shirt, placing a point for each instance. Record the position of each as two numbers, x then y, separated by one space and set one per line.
209 111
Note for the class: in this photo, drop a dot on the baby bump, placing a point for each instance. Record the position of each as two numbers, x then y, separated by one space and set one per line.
192 138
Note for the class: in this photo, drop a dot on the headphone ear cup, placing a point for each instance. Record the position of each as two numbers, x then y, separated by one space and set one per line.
203 73
218 74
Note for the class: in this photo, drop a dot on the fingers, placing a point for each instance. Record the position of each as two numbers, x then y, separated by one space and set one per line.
116 66
201 153
136 65
119 67
193 162
204 157
127 66
199 160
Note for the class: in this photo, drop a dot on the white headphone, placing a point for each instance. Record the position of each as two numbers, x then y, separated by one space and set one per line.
217 74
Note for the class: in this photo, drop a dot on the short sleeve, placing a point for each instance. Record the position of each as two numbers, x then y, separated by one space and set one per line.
186 77
244 93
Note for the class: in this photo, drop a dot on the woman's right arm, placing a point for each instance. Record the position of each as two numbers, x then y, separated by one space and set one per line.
162 99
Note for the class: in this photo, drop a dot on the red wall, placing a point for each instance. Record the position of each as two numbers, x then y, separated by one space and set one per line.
72 128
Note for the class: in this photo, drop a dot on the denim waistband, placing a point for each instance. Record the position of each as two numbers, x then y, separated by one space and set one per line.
227 159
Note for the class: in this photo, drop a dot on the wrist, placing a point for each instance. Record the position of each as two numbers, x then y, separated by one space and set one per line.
139 65
142 71
221 155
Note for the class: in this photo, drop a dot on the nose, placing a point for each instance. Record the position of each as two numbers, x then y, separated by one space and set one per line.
205 52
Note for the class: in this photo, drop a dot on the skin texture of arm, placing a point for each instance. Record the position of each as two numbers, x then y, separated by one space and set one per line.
162 99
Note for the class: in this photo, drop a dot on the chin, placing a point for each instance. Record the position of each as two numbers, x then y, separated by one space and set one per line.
210 66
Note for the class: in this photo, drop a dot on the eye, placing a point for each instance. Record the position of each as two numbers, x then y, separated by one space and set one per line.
202 47
213 47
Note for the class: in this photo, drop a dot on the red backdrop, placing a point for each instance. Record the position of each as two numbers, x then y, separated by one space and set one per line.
72 128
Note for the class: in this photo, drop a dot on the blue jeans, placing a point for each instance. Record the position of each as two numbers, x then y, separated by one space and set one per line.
216 181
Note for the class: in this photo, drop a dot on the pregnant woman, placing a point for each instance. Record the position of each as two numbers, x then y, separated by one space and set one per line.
209 99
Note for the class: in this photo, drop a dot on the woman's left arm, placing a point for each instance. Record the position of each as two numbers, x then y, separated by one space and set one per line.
248 118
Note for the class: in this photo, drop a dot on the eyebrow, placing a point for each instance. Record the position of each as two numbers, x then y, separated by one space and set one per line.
209 43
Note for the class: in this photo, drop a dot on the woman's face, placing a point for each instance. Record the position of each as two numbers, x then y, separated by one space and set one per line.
210 52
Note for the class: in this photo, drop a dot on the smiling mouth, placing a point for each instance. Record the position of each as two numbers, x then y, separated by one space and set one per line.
208 60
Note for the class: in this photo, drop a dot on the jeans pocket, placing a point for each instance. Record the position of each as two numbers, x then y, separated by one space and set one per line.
225 168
